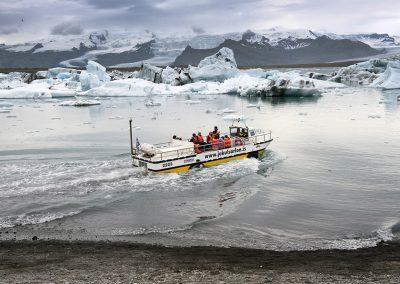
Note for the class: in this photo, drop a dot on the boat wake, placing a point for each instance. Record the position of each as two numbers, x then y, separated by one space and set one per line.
54 189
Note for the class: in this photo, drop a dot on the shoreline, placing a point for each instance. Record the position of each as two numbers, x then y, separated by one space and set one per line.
110 262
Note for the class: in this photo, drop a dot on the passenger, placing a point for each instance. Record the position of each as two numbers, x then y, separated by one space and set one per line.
197 149
221 143
176 137
209 138
201 142
194 138
216 132
227 141
200 138
214 143
238 141
209 141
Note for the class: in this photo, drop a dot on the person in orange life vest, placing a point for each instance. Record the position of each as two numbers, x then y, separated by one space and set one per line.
238 141
227 141
214 143
209 141
216 132
200 141
197 149
193 139
221 144
200 138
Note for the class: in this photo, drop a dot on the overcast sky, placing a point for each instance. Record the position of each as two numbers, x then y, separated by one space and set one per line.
25 20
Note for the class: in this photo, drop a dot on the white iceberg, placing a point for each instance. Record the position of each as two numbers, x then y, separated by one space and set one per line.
151 103
234 117
4 104
228 110
390 79
12 80
36 91
217 67
192 102
133 87
94 76
381 73
79 102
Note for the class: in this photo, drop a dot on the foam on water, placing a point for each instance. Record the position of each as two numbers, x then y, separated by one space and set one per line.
81 183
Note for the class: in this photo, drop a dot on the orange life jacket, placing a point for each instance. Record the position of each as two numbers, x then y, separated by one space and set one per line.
215 143
227 142
197 149
200 139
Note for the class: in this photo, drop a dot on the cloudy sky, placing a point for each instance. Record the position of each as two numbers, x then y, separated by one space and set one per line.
24 20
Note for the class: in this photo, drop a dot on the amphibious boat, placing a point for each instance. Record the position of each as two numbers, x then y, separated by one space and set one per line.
181 155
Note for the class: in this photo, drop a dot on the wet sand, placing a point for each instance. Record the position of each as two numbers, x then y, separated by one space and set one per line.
111 262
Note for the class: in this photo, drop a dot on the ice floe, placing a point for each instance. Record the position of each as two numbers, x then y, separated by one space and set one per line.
381 73
79 102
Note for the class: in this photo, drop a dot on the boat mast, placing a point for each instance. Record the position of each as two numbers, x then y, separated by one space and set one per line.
130 134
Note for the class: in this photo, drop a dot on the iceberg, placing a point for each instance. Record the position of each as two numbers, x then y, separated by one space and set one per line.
382 73
150 73
390 79
12 80
133 87
36 91
217 67
94 76
80 103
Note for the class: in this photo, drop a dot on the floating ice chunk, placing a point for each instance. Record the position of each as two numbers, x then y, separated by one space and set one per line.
94 76
5 104
374 116
192 102
233 117
217 67
54 72
116 117
228 110
4 110
303 113
36 91
151 103
390 79
151 73
251 105
133 87
80 103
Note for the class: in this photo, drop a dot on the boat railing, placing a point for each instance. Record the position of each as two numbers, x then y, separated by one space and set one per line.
200 148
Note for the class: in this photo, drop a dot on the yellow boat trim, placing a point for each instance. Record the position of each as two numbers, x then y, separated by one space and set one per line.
224 160
176 170
209 163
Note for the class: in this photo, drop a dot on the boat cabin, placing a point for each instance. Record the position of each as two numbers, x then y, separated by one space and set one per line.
237 131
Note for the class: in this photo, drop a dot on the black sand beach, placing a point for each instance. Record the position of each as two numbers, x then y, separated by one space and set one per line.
111 262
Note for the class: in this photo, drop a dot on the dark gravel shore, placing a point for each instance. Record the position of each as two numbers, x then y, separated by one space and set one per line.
110 262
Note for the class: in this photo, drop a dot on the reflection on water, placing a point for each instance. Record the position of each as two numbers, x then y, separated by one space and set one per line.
330 179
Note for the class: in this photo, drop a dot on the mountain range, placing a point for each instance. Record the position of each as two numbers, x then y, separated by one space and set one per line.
251 48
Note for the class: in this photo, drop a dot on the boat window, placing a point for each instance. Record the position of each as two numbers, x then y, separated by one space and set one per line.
252 132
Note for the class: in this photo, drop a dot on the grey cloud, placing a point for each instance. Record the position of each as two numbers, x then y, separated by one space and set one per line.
198 30
67 28
8 31
166 17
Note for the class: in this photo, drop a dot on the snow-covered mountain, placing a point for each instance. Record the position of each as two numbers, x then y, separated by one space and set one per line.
116 48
